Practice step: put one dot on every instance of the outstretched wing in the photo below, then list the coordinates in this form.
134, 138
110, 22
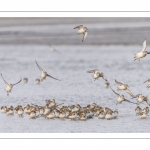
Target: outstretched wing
136, 96
148, 101
92, 71
80, 26
129, 92
129, 101
115, 92
84, 36
144, 45
39, 67
17, 82
118, 82
146, 81
103, 76
4, 79
52, 77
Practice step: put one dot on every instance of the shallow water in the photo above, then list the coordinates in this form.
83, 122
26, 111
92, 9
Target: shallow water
70, 65
109, 47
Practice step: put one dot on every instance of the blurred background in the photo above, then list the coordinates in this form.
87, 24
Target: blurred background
112, 31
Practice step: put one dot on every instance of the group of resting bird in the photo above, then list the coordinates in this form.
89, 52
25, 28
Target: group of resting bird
53, 110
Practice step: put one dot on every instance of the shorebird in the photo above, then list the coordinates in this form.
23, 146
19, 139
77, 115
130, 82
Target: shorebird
115, 114
124, 87
44, 73
108, 115
142, 115
9, 86
82, 30
76, 108
3, 109
20, 111
32, 114
82, 116
10, 111
62, 115
52, 103
97, 110
51, 115
41, 110
37, 81
25, 80
27, 109
101, 115
121, 98
106, 109
97, 74
138, 110
72, 115
67, 112
57, 112
91, 106
148, 86
143, 53
146, 110
141, 98
46, 110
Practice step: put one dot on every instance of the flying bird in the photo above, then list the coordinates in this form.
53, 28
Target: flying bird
121, 98
9, 86
148, 86
44, 73
97, 74
82, 30
143, 53
124, 87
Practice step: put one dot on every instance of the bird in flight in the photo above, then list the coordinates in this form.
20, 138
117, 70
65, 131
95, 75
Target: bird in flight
44, 73
97, 74
143, 53
82, 30
9, 86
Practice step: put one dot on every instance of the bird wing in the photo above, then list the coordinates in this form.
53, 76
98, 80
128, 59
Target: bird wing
146, 81
39, 67
144, 45
52, 77
84, 36
118, 82
92, 71
114, 92
103, 76
148, 101
4, 79
129, 101
17, 82
136, 96
129, 92
80, 26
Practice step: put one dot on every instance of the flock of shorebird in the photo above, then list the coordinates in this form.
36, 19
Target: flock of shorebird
54, 110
